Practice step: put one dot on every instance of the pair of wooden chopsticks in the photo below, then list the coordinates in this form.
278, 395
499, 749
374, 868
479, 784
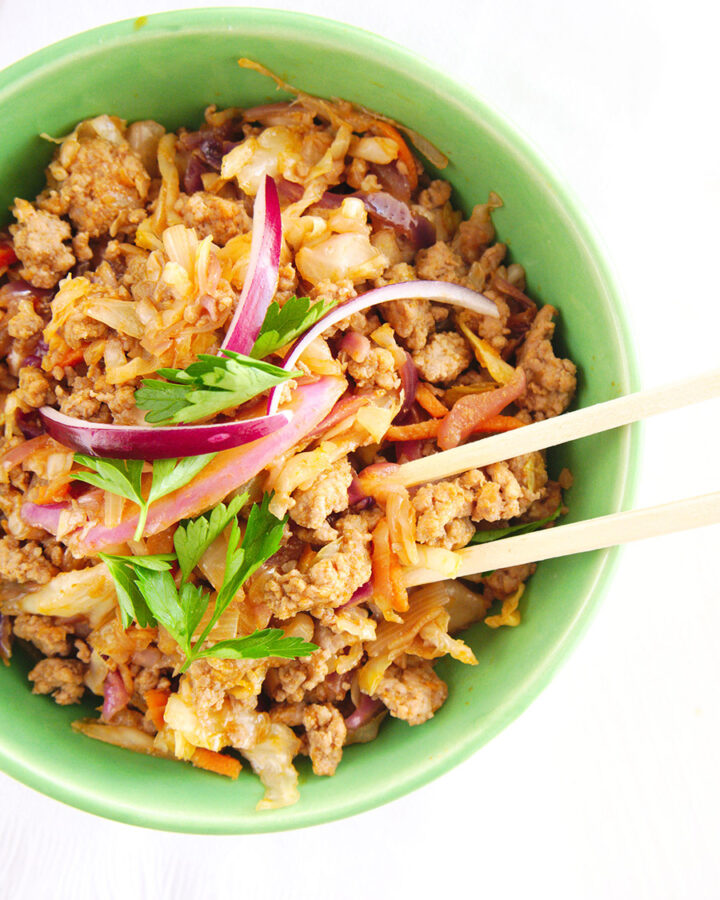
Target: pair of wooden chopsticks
594, 534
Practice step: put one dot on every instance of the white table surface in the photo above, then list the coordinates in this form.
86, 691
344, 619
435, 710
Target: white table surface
609, 785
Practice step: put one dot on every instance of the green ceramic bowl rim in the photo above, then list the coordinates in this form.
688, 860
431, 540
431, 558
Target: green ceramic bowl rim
423, 771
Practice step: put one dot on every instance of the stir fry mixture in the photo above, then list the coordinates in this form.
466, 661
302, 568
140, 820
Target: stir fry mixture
218, 346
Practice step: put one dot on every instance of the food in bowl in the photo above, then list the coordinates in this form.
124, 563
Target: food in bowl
218, 346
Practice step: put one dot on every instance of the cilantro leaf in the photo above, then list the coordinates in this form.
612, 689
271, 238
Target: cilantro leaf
206, 387
484, 537
260, 644
194, 601
161, 596
193, 536
283, 324
171, 474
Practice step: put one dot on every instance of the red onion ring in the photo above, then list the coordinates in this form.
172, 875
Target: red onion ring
262, 274
149, 442
442, 291
43, 515
310, 403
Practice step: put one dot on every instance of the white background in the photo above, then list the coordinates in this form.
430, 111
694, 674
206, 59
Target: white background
609, 785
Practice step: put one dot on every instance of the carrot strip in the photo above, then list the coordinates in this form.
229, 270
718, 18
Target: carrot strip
218, 763
55, 490
404, 154
497, 424
414, 432
156, 702
430, 402
389, 593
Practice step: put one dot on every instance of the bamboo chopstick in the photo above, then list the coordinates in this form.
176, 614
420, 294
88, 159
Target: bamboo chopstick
567, 427
579, 537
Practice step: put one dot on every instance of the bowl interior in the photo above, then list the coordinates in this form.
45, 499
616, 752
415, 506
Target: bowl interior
169, 69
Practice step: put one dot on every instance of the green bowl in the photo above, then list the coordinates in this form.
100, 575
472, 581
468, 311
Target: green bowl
169, 67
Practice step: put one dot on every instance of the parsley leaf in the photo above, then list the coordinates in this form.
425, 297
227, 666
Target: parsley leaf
484, 537
263, 535
118, 476
193, 536
283, 324
130, 598
124, 477
147, 591
259, 644
206, 387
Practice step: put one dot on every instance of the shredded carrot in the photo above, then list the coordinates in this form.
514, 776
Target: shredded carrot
54, 491
404, 154
389, 592
70, 358
417, 431
430, 402
156, 702
497, 424
216, 762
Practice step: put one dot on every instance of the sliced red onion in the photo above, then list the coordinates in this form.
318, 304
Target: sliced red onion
468, 412
346, 406
310, 403
443, 291
382, 206
262, 274
363, 593
368, 708
409, 380
149, 442
357, 497
115, 694
408, 450
356, 345
392, 180
43, 515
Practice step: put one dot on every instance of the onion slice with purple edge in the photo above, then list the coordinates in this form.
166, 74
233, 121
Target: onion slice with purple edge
442, 291
262, 274
43, 515
149, 442
368, 707
228, 471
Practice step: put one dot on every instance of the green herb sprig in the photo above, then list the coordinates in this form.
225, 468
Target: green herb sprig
207, 387
484, 537
282, 324
124, 478
148, 593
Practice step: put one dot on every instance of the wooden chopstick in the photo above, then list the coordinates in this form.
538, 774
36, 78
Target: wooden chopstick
567, 427
579, 537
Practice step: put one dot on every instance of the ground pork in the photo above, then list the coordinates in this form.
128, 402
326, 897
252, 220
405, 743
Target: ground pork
330, 581
440, 263
445, 356
63, 678
475, 235
38, 239
291, 681
24, 563
326, 732
290, 714
502, 583
48, 635
551, 382
413, 693
327, 494
437, 193
33, 388
412, 320
499, 491
25, 323
375, 368
211, 215
103, 189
